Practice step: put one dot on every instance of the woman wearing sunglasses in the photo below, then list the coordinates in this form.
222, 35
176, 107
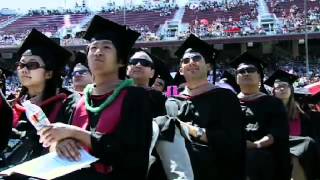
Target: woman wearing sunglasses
265, 121
303, 148
112, 119
39, 70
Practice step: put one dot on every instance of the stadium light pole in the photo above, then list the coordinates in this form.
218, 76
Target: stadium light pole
306, 37
124, 12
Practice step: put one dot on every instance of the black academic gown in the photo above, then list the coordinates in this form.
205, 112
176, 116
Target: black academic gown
126, 149
267, 115
6, 122
219, 112
157, 102
55, 109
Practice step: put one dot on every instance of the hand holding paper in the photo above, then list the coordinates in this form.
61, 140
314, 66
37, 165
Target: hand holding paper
51, 166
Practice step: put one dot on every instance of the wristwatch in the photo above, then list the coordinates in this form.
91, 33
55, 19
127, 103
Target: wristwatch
200, 133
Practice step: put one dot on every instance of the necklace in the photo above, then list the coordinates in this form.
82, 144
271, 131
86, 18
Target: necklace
88, 91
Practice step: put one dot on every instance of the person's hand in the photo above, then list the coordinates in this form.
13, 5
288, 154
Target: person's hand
55, 132
191, 129
69, 149
251, 145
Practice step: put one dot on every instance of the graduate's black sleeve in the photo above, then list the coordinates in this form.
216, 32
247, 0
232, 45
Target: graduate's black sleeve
226, 136
157, 103
278, 128
308, 127
277, 118
6, 121
127, 150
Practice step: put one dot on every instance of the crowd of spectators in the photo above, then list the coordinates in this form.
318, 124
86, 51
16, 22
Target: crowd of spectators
291, 20
48, 12
165, 9
292, 15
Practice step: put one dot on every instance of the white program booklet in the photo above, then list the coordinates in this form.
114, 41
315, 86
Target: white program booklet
51, 166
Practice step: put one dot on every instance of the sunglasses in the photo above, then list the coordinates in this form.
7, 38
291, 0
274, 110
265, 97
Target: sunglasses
29, 65
195, 58
80, 72
143, 62
247, 70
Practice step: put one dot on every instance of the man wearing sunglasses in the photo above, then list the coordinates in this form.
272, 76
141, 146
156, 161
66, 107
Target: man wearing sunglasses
211, 114
266, 125
141, 69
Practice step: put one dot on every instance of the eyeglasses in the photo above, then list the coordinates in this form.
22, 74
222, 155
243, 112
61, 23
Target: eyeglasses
195, 58
29, 65
80, 72
143, 62
247, 70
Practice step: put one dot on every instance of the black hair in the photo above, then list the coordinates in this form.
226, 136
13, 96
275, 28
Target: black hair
121, 70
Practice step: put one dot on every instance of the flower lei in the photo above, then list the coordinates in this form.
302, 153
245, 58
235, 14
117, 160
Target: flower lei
88, 91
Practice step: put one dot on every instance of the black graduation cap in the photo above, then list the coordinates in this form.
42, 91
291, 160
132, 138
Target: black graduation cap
315, 99
54, 56
303, 96
122, 37
281, 76
231, 80
79, 57
161, 70
248, 59
197, 45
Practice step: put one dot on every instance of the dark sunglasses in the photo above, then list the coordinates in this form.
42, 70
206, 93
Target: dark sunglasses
29, 65
247, 70
80, 72
195, 58
143, 62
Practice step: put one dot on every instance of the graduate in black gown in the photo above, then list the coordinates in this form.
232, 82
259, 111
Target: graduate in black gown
217, 149
40, 67
303, 148
143, 68
266, 124
112, 120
